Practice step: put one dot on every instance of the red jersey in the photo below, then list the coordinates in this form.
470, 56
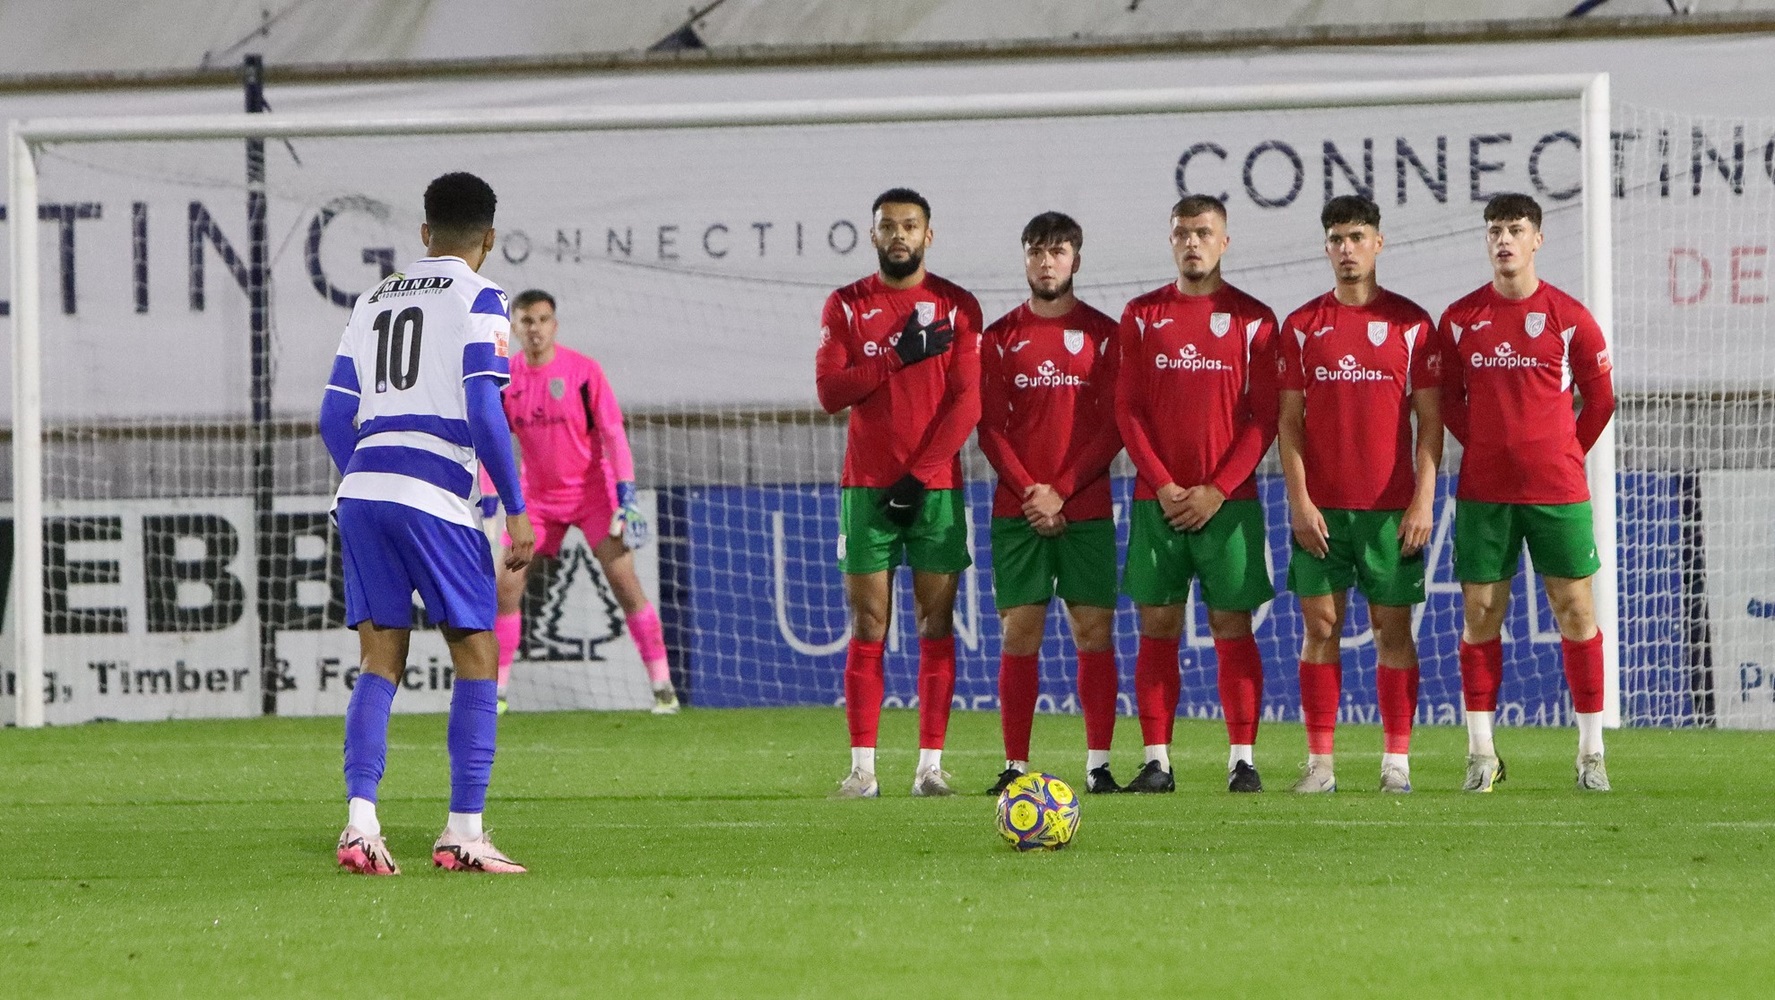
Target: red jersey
1508, 370
1196, 395
1047, 402
903, 419
1358, 366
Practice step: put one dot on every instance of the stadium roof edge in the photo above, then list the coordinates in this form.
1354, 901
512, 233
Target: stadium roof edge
777, 56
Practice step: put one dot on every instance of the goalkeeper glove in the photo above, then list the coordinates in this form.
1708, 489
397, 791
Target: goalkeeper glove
901, 503
918, 341
629, 522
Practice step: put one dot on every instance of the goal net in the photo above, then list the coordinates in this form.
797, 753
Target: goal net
188, 567
1695, 197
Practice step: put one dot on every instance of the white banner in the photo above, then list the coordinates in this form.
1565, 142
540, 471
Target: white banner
150, 614
693, 264
1740, 537
148, 611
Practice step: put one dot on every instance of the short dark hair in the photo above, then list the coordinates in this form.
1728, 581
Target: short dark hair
1350, 210
901, 196
1510, 206
459, 204
1053, 228
531, 296
1193, 205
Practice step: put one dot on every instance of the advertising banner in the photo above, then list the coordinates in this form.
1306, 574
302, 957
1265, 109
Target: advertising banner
150, 614
149, 610
693, 262
770, 600
1740, 533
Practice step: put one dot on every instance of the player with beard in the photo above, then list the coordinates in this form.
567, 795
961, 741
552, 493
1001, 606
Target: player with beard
1196, 400
1048, 426
901, 349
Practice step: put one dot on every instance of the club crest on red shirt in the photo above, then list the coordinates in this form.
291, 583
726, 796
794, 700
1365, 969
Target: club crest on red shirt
1220, 323
1377, 332
927, 313
1074, 340
1534, 323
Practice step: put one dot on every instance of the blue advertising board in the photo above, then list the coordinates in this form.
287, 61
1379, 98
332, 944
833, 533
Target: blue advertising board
767, 601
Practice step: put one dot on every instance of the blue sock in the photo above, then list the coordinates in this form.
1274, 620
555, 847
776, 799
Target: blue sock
474, 724
366, 735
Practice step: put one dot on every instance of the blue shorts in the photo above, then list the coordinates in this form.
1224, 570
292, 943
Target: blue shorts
390, 550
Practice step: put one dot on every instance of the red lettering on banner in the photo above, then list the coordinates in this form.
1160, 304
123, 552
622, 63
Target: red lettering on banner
1677, 274
1744, 272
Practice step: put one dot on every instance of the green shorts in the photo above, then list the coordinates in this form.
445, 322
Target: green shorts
1079, 564
937, 542
1227, 555
1489, 536
1364, 553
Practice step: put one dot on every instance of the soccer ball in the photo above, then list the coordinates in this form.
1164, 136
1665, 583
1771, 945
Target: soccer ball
1038, 812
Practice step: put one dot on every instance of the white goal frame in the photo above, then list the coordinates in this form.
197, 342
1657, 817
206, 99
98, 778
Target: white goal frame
1592, 90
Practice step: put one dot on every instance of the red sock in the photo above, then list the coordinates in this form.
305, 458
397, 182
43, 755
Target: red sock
1019, 679
1397, 689
1583, 672
936, 686
1482, 673
1156, 686
1097, 696
1241, 687
1319, 690
862, 691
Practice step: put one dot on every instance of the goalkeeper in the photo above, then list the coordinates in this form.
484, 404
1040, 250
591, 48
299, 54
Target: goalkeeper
901, 348
577, 471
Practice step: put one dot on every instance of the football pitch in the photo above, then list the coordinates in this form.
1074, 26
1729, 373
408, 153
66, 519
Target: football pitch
699, 856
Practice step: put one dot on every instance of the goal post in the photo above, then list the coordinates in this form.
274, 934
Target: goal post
1588, 92
1599, 297
27, 432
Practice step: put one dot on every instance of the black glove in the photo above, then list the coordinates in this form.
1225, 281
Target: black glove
901, 503
919, 341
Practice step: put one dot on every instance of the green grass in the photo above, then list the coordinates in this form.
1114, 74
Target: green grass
698, 856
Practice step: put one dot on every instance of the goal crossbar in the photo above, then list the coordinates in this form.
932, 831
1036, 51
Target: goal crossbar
1592, 90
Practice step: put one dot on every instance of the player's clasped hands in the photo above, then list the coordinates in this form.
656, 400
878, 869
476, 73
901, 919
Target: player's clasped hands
1041, 507
523, 547
1189, 509
1309, 527
919, 341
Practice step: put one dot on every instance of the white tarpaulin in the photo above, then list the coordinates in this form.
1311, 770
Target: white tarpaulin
693, 264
